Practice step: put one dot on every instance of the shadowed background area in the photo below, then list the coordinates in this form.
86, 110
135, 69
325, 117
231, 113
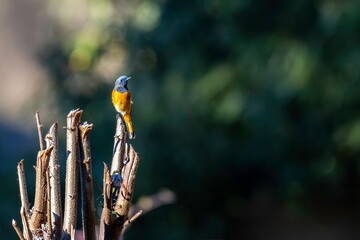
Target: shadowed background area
248, 111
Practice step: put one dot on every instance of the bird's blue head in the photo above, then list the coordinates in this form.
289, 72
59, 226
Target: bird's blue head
121, 83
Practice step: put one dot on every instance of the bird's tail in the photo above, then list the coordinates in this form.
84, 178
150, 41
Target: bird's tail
129, 126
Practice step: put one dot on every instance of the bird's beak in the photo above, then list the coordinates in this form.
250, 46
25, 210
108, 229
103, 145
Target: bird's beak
127, 78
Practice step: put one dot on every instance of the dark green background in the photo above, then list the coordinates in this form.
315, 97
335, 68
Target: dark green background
249, 111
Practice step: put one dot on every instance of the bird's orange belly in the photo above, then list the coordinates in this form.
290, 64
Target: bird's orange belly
121, 101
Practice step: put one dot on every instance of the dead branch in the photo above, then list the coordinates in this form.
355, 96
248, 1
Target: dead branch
54, 182
107, 219
17, 230
119, 145
38, 216
71, 179
118, 186
149, 203
45, 221
49, 228
22, 186
39, 128
132, 219
123, 202
25, 223
87, 194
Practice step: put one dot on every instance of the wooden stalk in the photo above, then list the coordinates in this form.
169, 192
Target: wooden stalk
25, 223
73, 233
132, 219
115, 212
22, 186
123, 202
87, 194
38, 216
119, 145
17, 230
71, 180
48, 207
54, 182
39, 128
106, 222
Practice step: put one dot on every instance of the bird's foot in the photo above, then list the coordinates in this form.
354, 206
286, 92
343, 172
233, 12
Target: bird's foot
132, 135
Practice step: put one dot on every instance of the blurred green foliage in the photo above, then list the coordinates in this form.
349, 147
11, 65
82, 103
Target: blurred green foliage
237, 105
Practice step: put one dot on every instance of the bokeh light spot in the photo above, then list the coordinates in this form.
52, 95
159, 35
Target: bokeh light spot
112, 62
230, 107
80, 59
147, 16
349, 136
85, 46
101, 11
213, 82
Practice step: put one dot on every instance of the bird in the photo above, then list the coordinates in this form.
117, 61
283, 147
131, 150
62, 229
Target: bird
121, 100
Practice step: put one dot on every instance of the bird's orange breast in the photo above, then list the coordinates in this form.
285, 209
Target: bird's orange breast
121, 101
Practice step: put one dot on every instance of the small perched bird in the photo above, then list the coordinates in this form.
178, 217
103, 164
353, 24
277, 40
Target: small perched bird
122, 102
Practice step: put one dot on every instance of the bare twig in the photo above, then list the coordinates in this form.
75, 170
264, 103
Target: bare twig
119, 143
54, 183
22, 186
25, 223
38, 216
87, 194
39, 128
71, 182
17, 230
132, 219
149, 203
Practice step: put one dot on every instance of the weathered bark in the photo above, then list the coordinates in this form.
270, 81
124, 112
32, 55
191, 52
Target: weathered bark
107, 219
54, 182
25, 223
119, 146
38, 216
86, 181
123, 202
71, 181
